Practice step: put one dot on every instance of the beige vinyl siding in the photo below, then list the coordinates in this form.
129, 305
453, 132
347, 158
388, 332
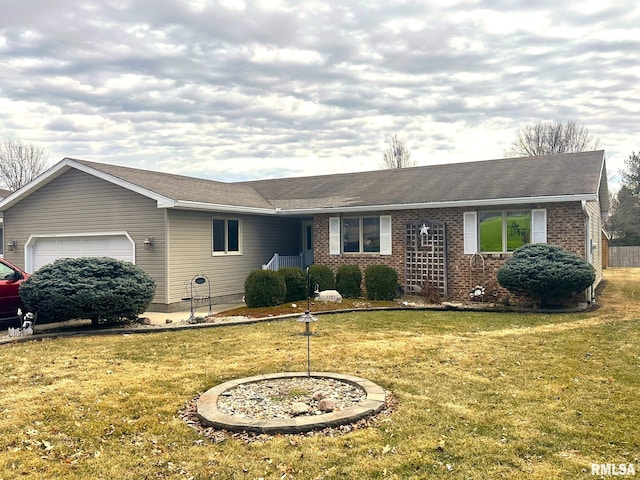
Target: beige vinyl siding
595, 234
190, 250
76, 202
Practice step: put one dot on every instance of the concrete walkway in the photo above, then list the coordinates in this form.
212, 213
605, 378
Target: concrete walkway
169, 321
160, 318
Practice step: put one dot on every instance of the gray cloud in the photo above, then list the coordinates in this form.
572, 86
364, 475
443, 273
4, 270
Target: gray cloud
313, 87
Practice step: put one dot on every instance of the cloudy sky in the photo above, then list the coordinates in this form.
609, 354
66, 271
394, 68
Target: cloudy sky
235, 90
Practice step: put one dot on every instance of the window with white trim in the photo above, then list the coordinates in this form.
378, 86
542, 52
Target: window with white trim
226, 236
503, 231
366, 234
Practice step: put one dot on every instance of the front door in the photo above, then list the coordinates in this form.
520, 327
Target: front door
307, 242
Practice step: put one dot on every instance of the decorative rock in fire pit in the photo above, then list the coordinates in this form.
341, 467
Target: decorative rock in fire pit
299, 408
250, 412
317, 396
326, 405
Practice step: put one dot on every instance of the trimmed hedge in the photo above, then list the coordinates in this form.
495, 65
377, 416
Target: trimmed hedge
264, 288
348, 280
545, 273
101, 289
381, 282
296, 282
322, 276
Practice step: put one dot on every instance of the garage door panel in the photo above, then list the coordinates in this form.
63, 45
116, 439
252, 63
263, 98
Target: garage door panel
95, 245
43, 260
46, 250
68, 246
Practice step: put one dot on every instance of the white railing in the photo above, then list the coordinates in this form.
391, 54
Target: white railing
283, 261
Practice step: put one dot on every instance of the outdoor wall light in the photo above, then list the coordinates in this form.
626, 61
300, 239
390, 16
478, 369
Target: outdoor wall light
148, 243
12, 245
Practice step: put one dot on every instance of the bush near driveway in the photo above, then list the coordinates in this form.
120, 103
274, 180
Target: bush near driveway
101, 289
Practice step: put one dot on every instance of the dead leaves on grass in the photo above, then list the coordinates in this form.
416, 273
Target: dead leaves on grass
189, 415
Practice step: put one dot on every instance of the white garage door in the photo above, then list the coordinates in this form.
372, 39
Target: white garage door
47, 249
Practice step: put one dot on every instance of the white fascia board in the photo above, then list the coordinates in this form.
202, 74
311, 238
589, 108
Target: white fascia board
189, 205
461, 203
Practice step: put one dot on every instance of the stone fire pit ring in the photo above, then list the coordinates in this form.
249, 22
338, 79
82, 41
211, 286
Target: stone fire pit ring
211, 416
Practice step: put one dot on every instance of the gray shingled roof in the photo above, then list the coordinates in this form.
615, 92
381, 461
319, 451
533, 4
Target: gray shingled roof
564, 175
531, 177
182, 188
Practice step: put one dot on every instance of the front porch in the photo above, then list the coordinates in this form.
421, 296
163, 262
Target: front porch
284, 261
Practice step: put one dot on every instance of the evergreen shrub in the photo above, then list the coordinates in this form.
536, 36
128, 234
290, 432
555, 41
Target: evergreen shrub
102, 289
322, 276
348, 280
545, 274
296, 282
381, 282
264, 288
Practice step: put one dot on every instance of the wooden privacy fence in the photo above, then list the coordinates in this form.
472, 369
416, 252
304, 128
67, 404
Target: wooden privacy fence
624, 256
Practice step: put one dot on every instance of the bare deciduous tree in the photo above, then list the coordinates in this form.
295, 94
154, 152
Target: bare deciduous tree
20, 163
397, 154
546, 138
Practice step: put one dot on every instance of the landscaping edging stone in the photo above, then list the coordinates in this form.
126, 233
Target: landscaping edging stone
211, 416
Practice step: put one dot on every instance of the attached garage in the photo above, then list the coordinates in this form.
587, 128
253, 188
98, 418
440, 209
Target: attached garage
44, 249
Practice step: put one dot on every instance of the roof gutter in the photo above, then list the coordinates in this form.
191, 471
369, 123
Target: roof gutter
219, 207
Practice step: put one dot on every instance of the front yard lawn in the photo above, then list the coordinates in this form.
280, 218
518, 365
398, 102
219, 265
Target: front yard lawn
479, 395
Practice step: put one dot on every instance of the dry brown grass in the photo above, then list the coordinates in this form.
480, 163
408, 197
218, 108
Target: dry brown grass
481, 395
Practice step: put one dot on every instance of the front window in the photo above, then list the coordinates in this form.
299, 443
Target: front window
361, 235
1, 240
226, 236
502, 232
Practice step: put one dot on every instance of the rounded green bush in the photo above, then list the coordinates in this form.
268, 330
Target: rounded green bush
381, 282
348, 280
101, 289
296, 282
545, 273
264, 288
322, 276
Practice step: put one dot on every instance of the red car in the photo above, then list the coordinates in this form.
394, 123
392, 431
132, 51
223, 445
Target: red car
10, 279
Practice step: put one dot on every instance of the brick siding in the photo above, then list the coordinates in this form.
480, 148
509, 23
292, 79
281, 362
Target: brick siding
565, 228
